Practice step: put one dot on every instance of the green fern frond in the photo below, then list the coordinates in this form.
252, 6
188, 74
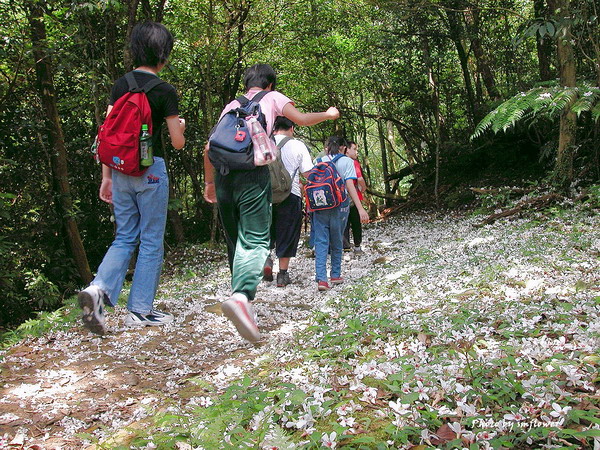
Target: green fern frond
485, 123
562, 100
277, 438
596, 112
588, 97
538, 103
539, 99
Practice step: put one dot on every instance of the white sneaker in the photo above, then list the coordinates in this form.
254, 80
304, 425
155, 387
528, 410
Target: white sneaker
91, 302
154, 318
241, 313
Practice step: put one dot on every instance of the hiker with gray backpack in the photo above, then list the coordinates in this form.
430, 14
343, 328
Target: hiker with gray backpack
287, 198
242, 189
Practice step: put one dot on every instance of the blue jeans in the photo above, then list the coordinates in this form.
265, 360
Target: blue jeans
328, 228
140, 208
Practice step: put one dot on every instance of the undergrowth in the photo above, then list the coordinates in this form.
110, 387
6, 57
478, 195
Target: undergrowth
486, 342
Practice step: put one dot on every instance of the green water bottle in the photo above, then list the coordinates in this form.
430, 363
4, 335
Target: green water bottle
146, 156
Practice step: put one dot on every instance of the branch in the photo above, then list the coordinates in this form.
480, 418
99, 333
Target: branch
537, 203
385, 196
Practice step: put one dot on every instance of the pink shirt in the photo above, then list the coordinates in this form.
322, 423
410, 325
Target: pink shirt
271, 105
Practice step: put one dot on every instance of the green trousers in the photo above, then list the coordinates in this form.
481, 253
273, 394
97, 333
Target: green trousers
244, 201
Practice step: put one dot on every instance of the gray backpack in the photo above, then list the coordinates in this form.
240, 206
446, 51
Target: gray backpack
281, 182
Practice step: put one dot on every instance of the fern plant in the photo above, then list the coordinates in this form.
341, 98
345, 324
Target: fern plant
541, 102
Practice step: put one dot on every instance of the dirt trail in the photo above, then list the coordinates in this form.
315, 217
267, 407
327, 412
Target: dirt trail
63, 384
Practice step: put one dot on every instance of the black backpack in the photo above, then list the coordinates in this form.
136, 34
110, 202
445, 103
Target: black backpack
230, 142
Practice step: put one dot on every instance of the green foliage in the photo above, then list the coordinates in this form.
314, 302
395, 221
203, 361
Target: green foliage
61, 318
594, 196
543, 102
366, 58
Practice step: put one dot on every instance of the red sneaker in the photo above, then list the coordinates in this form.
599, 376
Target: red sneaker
336, 280
323, 286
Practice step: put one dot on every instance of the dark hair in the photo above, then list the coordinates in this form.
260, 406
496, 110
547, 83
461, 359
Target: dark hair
259, 75
282, 123
151, 44
332, 145
348, 145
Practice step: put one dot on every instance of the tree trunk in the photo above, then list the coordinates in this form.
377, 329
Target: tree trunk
111, 46
366, 165
132, 6
175, 219
435, 101
172, 213
543, 46
58, 152
384, 162
390, 140
563, 169
160, 11
472, 20
146, 12
456, 35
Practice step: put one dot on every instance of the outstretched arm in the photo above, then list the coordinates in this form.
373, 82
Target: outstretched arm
308, 119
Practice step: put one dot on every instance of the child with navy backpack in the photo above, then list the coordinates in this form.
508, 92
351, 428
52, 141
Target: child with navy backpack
329, 224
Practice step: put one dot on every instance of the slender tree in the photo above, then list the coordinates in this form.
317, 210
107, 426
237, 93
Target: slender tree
567, 75
56, 142
456, 34
472, 18
543, 43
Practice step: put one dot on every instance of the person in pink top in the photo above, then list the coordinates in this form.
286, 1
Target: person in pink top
244, 201
354, 223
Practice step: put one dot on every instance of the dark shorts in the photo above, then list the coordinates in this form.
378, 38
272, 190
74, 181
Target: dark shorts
286, 226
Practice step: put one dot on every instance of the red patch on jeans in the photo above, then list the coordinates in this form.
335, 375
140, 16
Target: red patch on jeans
153, 179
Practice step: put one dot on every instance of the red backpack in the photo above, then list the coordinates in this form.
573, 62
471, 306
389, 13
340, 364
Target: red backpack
119, 135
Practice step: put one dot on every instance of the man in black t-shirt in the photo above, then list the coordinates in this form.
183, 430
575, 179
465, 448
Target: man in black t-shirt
140, 203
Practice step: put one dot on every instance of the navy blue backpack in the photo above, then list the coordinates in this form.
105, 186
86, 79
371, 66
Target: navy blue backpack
325, 188
230, 143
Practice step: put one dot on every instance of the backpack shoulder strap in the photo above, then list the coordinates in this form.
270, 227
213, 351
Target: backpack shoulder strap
134, 87
258, 97
243, 100
152, 84
284, 141
336, 157
131, 83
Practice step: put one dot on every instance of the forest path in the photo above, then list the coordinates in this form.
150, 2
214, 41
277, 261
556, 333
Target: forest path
527, 286
67, 383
